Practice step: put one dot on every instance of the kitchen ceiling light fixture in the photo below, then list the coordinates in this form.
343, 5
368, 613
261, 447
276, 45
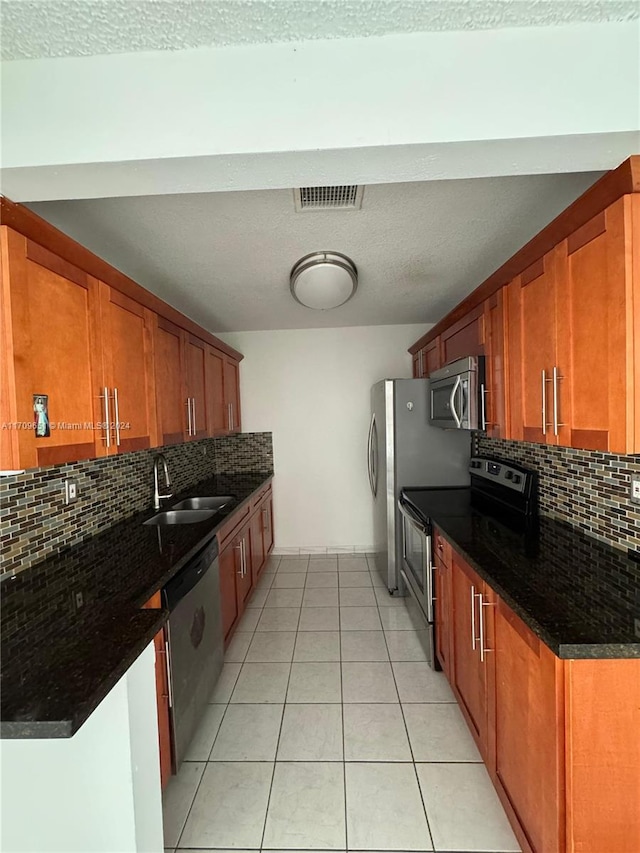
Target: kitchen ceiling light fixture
323, 280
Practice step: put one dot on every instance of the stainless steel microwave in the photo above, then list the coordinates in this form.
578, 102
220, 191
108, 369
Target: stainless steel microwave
457, 395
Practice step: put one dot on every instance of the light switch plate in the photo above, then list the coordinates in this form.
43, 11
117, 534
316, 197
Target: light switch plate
70, 491
635, 490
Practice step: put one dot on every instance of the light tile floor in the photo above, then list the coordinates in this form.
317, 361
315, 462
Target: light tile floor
328, 731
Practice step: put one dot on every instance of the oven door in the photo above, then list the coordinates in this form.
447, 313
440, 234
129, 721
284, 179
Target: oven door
416, 560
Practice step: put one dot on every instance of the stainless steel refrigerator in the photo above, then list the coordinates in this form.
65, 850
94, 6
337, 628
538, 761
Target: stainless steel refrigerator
404, 451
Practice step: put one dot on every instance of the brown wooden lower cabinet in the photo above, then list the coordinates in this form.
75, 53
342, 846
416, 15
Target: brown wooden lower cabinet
244, 551
559, 737
162, 697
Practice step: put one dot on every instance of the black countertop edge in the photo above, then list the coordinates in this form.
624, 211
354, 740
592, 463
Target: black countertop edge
151, 621
565, 651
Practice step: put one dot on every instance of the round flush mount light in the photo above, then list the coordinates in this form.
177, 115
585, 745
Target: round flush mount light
323, 280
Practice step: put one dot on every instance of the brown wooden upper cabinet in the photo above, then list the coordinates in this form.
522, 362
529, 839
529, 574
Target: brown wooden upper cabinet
574, 372
128, 394
495, 404
427, 359
232, 393
195, 387
170, 389
81, 352
464, 338
52, 360
91, 365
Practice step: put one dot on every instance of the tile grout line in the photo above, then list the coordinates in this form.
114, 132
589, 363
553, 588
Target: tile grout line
413, 761
284, 709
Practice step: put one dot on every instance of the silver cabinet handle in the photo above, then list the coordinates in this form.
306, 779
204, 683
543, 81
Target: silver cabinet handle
265, 519
544, 402
169, 678
229, 416
483, 604
189, 430
193, 408
421, 363
452, 402
241, 570
473, 617
483, 394
107, 423
116, 413
556, 379
244, 556
233, 420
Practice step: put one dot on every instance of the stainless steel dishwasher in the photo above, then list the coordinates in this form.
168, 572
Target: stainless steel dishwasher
195, 646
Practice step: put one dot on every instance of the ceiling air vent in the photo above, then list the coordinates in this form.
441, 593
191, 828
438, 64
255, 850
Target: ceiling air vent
347, 197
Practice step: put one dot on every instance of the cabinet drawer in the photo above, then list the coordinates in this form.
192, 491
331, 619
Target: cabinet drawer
232, 523
441, 548
261, 495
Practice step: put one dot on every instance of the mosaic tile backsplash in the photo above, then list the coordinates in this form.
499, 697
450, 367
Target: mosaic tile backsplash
585, 488
35, 522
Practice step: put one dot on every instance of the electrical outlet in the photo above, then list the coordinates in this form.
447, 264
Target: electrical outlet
79, 600
70, 491
635, 490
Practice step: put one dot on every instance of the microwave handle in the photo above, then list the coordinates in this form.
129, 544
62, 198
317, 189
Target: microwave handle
452, 402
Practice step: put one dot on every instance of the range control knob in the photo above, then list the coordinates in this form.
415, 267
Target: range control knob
509, 475
517, 478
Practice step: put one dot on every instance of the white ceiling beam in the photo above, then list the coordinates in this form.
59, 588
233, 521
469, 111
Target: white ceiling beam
395, 108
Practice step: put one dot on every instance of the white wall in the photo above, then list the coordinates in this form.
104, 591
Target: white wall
513, 101
311, 389
96, 792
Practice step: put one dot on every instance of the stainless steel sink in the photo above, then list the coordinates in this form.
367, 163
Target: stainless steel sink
184, 516
203, 503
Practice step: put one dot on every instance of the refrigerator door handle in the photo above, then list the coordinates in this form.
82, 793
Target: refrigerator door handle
374, 455
370, 455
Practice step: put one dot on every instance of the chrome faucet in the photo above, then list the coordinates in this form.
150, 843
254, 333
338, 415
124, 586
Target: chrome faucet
157, 497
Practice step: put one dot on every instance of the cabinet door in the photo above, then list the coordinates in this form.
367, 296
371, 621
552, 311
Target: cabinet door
217, 413
50, 312
267, 524
257, 544
170, 390
598, 385
196, 399
162, 697
129, 371
431, 359
416, 366
469, 670
532, 350
527, 719
443, 615
232, 394
230, 570
244, 579
495, 380
464, 338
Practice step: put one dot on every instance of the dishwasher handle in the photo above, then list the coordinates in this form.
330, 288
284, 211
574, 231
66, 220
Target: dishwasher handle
191, 574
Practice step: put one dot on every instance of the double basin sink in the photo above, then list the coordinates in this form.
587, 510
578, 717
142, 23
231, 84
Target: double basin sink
191, 510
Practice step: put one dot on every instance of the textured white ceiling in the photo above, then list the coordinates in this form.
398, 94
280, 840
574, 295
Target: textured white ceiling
224, 258
48, 28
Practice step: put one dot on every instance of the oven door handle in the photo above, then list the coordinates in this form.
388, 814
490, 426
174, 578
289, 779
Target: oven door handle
413, 519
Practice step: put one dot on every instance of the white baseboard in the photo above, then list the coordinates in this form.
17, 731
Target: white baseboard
320, 551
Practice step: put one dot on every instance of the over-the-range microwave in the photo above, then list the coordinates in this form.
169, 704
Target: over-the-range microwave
457, 395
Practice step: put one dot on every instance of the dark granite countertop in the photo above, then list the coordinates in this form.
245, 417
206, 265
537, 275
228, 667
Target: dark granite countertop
59, 660
579, 595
